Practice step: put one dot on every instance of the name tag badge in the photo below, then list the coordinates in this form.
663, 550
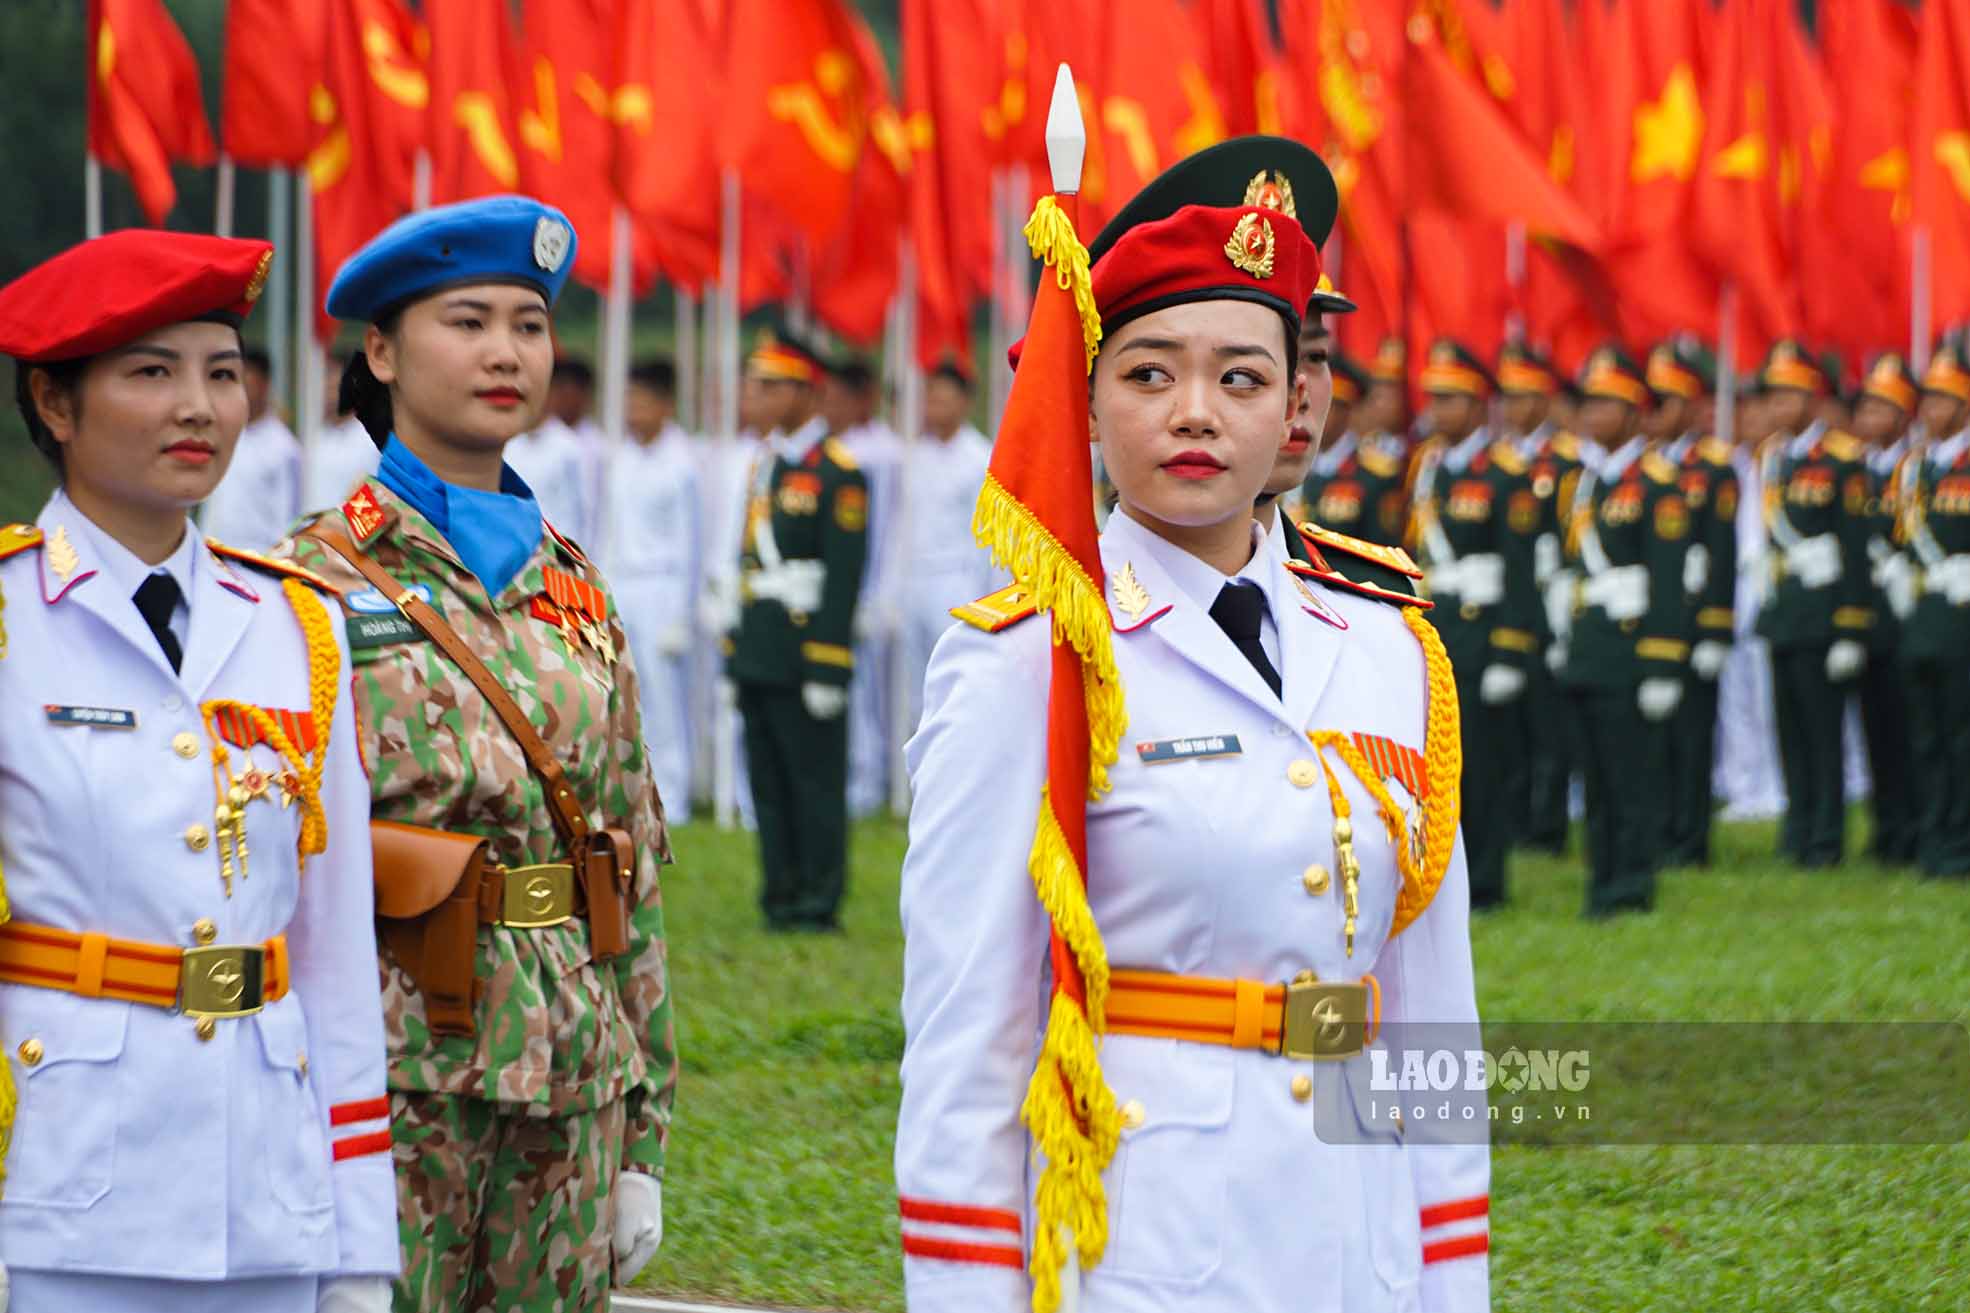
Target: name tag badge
367, 631
1159, 751
372, 602
92, 717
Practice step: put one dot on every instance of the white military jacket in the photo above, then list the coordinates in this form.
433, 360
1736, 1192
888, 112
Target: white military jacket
1221, 1197
139, 1149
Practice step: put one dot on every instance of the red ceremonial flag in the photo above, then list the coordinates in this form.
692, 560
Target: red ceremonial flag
1864, 302
273, 63
1940, 154
1035, 516
666, 128
856, 275
370, 114
954, 124
471, 127
144, 104
797, 109
566, 111
1767, 132
1156, 103
1254, 87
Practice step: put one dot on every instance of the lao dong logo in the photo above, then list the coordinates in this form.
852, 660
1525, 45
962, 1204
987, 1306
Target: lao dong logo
1514, 1071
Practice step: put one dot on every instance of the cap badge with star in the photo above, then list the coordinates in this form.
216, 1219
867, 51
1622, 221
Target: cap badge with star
1271, 190
1250, 246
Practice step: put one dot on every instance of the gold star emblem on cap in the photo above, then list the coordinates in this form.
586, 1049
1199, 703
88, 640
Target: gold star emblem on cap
1250, 246
1269, 190
1889, 366
258, 282
1443, 354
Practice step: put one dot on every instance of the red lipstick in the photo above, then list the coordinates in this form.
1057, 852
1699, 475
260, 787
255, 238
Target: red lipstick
1194, 464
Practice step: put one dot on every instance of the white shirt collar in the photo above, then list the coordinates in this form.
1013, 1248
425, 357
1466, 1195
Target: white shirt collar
1196, 579
793, 447
1330, 459
1460, 456
124, 571
1616, 465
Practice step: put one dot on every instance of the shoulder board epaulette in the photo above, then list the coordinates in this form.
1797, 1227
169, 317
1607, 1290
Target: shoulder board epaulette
17, 538
1366, 588
273, 565
1378, 462
1505, 454
1389, 558
568, 544
1842, 446
839, 453
996, 611
1566, 445
1658, 467
1715, 450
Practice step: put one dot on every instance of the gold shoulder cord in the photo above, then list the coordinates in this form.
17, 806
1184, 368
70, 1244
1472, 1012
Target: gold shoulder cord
1443, 765
303, 780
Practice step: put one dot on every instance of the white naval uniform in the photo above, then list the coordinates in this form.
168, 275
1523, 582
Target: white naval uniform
885, 462
339, 458
945, 566
1223, 1199
151, 1170
255, 504
652, 555
554, 463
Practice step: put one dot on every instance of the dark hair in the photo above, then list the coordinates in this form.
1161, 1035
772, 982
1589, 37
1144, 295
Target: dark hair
257, 358
657, 373
573, 369
65, 374
950, 373
855, 375
364, 395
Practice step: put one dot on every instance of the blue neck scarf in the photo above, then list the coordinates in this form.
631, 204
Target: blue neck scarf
493, 532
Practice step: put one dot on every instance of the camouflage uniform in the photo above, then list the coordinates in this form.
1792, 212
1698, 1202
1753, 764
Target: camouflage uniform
508, 1142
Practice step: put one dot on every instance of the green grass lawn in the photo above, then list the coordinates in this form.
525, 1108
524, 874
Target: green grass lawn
780, 1191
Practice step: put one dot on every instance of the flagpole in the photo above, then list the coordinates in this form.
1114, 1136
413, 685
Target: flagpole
279, 291
725, 784
1515, 321
909, 419
222, 221
92, 196
420, 181
1919, 309
685, 309
1727, 364
307, 352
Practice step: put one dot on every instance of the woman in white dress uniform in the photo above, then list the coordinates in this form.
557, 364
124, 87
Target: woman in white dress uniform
188, 979
1273, 872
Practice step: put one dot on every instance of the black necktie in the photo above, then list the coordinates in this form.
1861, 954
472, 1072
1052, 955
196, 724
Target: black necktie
156, 598
1239, 610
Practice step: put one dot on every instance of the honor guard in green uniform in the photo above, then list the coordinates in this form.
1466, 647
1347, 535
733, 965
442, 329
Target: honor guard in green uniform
1883, 412
1527, 387
1818, 606
1678, 376
800, 571
1356, 485
1935, 531
1475, 521
1628, 647
1313, 397
1383, 417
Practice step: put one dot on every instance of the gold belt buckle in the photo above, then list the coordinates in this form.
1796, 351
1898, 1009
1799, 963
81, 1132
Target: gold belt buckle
538, 896
222, 980
1324, 1020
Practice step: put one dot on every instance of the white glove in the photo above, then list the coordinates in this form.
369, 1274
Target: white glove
1500, 684
1696, 568
1545, 557
1707, 658
1556, 657
1895, 575
675, 640
1845, 659
823, 701
717, 614
6, 1288
1658, 698
639, 1222
1951, 577
1815, 561
345, 1295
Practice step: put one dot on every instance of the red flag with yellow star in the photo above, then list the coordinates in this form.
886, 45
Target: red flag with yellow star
1940, 153
273, 63
666, 159
145, 107
1861, 303
954, 127
472, 129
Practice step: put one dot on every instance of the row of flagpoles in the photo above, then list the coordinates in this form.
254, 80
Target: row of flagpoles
1563, 171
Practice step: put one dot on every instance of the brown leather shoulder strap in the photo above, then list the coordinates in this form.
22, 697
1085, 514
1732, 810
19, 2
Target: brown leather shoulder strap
569, 819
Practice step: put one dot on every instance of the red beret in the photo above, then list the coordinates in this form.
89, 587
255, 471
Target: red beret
1208, 253
118, 287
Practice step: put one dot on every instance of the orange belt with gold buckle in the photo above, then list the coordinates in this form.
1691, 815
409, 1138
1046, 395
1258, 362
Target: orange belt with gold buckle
1304, 1018
216, 980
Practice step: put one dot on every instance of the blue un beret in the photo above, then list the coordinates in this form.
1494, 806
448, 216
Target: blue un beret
497, 239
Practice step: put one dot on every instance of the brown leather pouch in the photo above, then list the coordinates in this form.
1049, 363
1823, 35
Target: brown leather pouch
427, 908
608, 866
